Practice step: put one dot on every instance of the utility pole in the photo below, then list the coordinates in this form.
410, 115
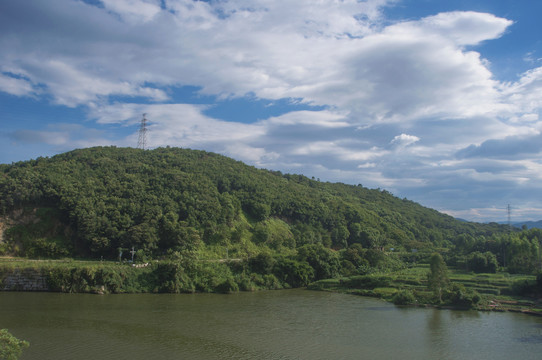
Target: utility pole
142, 140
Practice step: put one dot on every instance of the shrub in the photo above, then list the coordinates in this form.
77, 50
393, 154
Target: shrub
11, 347
404, 297
228, 286
523, 287
167, 275
262, 263
323, 261
245, 283
368, 281
110, 278
458, 295
347, 268
271, 282
294, 273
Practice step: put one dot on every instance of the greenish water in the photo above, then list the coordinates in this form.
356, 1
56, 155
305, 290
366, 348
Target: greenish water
289, 324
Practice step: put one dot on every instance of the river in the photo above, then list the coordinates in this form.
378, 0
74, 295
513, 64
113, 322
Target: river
286, 324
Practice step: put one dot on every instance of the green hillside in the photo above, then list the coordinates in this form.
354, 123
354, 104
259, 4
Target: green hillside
173, 199
172, 203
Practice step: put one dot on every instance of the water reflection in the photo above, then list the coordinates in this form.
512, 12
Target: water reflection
532, 339
380, 308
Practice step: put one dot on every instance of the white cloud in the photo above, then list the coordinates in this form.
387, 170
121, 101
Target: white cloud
404, 140
467, 27
61, 137
377, 83
15, 86
326, 119
134, 11
334, 54
72, 87
525, 95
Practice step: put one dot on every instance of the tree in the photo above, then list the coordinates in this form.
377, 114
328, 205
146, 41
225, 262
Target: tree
11, 347
437, 278
324, 261
482, 262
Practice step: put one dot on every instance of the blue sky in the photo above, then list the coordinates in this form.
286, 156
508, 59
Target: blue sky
435, 101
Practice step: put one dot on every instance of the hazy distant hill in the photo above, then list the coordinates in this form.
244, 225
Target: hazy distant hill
529, 224
94, 201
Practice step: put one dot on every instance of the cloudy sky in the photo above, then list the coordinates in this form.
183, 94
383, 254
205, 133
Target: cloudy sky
436, 101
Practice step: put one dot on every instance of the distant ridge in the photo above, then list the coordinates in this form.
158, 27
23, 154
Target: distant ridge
529, 224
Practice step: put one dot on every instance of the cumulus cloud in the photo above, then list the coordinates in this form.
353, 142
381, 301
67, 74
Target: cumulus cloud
467, 27
410, 105
266, 48
404, 140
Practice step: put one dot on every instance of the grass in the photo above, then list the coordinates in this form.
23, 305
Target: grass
18, 263
498, 291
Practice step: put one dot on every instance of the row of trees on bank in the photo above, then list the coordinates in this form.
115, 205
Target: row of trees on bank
518, 252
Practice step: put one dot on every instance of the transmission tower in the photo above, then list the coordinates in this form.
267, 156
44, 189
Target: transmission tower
142, 140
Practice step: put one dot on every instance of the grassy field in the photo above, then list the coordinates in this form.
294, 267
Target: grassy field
498, 292
19, 263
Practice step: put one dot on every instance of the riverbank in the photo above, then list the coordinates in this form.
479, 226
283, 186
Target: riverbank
498, 292
102, 277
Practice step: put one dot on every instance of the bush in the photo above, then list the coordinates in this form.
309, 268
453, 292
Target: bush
110, 279
368, 281
523, 287
347, 268
458, 295
262, 263
73, 280
11, 347
228, 286
323, 261
404, 297
294, 273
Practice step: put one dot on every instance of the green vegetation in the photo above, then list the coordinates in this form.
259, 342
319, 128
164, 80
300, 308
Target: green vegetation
204, 222
437, 277
413, 286
11, 347
91, 202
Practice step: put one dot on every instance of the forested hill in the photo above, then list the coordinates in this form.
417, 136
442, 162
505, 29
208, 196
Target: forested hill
91, 202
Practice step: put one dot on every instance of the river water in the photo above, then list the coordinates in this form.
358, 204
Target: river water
286, 324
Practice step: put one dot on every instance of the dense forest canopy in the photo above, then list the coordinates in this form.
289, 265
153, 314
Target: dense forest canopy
94, 202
